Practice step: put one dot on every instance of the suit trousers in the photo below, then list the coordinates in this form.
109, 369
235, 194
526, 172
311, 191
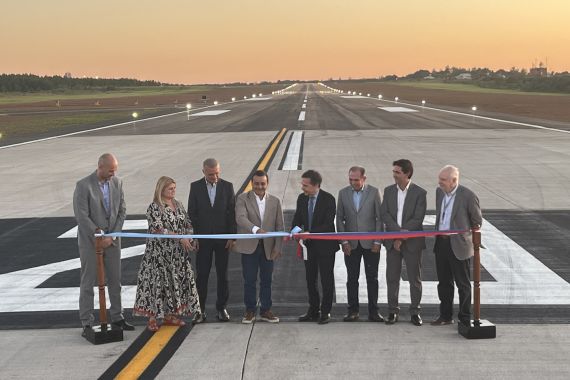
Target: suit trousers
413, 260
252, 264
208, 248
450, 268
112, 262
320, 262
352, 262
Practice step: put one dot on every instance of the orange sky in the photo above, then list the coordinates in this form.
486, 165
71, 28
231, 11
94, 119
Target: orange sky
199, 41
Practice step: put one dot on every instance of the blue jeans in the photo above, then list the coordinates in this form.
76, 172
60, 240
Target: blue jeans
250, 264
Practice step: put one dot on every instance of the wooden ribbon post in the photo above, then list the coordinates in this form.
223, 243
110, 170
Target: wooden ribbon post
99, 251
102, 334
478, 328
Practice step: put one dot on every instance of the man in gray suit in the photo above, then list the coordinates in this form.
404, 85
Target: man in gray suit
457, 208
99, 205
258, 212
404, 209
358, 210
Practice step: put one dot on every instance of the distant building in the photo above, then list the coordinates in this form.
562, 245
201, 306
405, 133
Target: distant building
67, 75
538, 72
464, 76
429, 77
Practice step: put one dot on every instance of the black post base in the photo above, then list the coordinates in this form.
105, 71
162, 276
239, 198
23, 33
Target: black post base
103, 334
481, 329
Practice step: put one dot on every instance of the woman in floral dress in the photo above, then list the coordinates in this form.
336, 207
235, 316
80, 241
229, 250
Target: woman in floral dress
166, 287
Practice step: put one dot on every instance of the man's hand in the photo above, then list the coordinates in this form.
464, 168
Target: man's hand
230, 244
346, 248
261, 231
375, 248
107, 242
397, 245
275, 255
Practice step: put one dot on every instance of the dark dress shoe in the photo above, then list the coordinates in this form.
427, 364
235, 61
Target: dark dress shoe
223, 315
124, 325
439, 321
324, 319
392, 318
375, 317
85, 329
309, 316
417, 320
199, 318
351, 317
466, 322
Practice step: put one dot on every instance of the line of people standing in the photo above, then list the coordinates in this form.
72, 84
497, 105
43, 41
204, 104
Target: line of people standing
168, 290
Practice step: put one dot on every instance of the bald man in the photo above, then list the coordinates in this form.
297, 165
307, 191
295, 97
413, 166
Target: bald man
99, 204
457, 208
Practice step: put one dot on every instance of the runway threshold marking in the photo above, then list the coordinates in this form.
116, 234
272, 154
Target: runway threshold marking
265, 159
293, 152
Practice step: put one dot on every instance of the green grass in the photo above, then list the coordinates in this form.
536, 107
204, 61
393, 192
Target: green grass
434, 85
32, 97
29, 125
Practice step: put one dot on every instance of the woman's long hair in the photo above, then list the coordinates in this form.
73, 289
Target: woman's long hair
163, 182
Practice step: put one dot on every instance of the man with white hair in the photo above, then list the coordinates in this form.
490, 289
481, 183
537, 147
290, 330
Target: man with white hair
457, 208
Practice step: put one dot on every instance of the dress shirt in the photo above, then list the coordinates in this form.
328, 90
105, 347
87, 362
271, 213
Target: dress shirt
211, 191
104, 186
261, 207
401, 200
446, 209
356, 197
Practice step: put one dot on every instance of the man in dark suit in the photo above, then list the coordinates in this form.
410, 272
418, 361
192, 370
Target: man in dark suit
358, 210
99, 205
404, 209
211, 207
457, 208
315, 213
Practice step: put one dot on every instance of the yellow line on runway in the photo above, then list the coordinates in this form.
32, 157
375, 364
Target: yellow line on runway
262, 165
148, 353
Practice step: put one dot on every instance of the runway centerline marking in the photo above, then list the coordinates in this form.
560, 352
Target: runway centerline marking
293, 152
302, 116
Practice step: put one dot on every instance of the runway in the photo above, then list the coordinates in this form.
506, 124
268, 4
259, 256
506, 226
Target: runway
520, 173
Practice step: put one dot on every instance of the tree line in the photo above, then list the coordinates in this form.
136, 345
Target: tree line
513, 79
35, 83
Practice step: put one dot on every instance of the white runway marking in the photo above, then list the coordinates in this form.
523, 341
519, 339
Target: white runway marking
210, 113
354, 97
302, 116
129, 225
397, 109
521, 279
255, 99
304, 106
292, 158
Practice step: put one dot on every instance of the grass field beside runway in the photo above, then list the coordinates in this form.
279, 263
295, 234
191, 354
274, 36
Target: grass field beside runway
466, 87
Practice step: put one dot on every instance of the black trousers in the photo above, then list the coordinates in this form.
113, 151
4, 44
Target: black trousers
352, 262
208, 249
449, 269
320, 262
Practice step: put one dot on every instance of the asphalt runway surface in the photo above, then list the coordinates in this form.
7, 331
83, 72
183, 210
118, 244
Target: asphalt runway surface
520, 173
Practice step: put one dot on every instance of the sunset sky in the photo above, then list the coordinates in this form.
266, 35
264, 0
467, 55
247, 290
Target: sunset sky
217, 41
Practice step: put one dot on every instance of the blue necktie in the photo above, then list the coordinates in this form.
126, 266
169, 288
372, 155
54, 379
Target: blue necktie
311, 209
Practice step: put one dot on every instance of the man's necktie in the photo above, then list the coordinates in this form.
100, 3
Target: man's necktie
311, 209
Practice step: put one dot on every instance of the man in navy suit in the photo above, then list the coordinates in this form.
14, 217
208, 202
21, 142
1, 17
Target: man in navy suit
211, 207
315, 213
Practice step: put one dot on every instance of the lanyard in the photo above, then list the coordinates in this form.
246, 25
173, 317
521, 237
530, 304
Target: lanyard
446, 206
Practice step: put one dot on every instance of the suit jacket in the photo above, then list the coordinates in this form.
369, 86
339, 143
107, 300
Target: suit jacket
247, 216
208, 219
366, 219
90, 213
412, 216
323, 220
465, 215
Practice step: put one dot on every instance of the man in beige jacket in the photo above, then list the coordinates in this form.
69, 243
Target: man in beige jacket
258, 212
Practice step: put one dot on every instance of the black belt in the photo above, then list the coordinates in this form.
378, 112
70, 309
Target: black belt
444, 237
